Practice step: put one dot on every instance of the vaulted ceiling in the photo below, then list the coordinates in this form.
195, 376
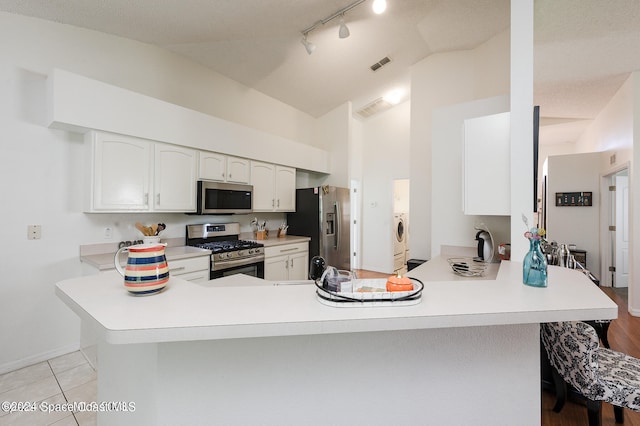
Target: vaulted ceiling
584, 49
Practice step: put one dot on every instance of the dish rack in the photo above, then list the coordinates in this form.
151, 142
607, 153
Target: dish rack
370, 298
467, 266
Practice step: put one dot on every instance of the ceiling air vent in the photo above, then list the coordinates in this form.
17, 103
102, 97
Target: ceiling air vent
382, 62
374, 107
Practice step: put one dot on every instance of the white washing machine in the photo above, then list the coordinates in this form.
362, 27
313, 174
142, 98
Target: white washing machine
399, 243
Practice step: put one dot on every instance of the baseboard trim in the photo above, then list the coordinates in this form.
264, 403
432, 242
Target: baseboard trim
34, 359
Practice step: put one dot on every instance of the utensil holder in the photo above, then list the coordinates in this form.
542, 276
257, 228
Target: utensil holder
261, 235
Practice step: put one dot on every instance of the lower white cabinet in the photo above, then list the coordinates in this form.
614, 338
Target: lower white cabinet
195, 269
286, 262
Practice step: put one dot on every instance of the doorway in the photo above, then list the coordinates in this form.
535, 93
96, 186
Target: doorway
616, 252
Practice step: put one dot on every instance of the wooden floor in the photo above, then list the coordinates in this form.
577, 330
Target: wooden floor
624, 336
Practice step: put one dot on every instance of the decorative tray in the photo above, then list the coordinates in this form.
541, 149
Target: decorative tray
370, 292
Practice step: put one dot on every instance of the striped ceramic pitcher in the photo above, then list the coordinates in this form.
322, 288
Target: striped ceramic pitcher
147, 271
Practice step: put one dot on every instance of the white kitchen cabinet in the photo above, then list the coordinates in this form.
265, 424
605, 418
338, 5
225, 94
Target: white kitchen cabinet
174, 178
195, 269
274, 187
487, 165
286, 262
119, 170
285, 189
238, 170
213, 166
223, 168
128, 174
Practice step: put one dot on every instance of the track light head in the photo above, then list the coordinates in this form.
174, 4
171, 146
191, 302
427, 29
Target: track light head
343, 32
310, 47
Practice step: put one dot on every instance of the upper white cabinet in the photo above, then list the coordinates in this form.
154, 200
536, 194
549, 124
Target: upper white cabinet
274, 187
119, 172
128, 174
213, 166
223, 168
238, 170
174, 178
487, 165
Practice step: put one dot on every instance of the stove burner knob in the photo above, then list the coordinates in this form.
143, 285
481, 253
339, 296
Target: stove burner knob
250, 251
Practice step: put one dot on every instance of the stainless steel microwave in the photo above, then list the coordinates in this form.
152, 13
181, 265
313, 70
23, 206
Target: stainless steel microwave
224, 198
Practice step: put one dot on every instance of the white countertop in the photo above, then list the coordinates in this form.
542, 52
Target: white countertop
104, 261
240, 306
274, 240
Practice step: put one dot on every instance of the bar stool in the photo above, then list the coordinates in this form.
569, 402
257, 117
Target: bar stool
599, 374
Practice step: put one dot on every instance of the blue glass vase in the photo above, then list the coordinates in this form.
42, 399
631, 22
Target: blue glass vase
534, 269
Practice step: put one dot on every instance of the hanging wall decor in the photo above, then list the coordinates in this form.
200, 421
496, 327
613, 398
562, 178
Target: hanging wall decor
574, 199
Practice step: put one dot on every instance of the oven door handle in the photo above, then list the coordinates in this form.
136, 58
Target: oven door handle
219, 266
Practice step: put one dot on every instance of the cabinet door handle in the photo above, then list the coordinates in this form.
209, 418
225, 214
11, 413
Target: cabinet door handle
158, 199
179, 268
273, 202
146, 198
291, 263
229, 176
278, 202
289, 249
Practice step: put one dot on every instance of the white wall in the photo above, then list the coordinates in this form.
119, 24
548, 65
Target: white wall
385, 139
439, 81
613, 127
616, 130
333, 135
575, 225
43, 45
41, 169
450, 226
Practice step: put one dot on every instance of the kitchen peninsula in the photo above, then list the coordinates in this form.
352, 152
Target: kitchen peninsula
240, 350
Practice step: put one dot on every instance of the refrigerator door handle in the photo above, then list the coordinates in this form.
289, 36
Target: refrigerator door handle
336, 211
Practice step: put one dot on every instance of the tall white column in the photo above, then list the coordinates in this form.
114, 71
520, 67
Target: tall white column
521, 123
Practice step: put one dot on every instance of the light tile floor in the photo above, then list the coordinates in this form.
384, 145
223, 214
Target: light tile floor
66, 379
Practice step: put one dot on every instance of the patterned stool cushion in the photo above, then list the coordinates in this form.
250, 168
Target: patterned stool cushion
599, 374
618, 379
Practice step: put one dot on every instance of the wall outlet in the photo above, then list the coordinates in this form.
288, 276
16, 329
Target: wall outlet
108, 233
34, 232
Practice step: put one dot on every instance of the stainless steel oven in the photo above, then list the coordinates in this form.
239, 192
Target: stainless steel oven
255, 269
229, 255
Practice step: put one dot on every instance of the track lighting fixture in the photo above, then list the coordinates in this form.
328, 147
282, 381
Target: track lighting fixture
310, 47
379, 6
343, 32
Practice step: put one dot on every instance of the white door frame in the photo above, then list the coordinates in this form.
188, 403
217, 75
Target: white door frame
356, 220
607, 217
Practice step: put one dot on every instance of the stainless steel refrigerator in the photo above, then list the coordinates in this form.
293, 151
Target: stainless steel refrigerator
322, 213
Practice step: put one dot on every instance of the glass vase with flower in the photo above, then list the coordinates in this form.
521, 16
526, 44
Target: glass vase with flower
534, 268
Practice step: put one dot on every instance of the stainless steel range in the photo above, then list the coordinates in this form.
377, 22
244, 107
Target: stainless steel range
230, 255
